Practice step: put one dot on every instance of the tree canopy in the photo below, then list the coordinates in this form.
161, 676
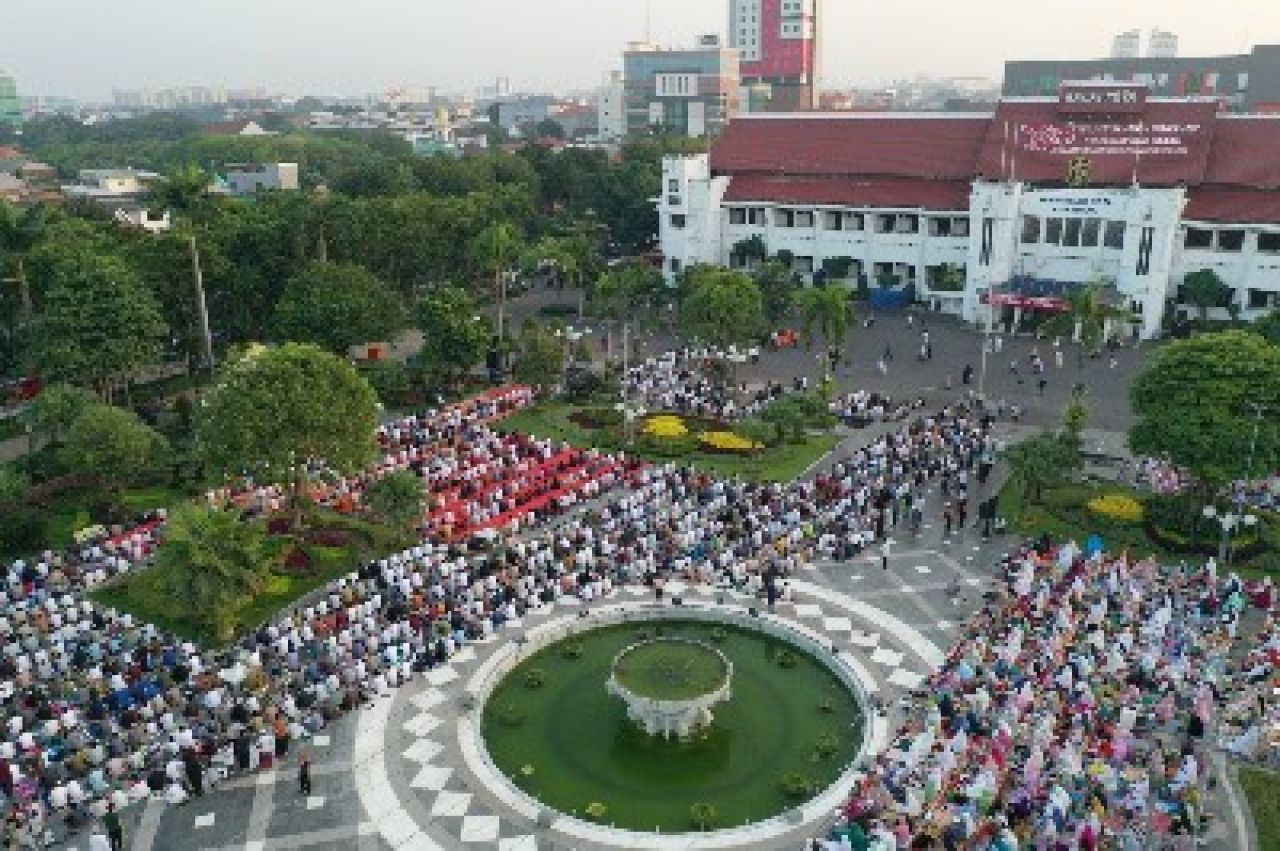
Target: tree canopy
211, 561
1195, 403
397, 498
722, 307
337, 306
274, 410
97, 325
114, 446
539, 357
1205, 290
455, 335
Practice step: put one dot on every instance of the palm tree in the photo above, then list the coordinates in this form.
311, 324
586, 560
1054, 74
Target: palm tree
1086, 318
496, 249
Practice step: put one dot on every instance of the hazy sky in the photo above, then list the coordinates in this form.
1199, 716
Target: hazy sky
84, 48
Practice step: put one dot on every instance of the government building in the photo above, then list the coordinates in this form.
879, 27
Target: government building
996, 216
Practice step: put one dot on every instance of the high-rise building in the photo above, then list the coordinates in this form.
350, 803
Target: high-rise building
1127, 45
10, 106
692, 91
780, 45
1162, 45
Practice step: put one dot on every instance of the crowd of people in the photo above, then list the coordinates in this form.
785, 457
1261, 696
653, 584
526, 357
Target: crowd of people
100, 711
1076, 712
685, 382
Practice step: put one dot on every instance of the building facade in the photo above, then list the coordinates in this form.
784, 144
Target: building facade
249, 179
693, 92
10, 106
779, 43
1127, 45
1248, 82
611, 110
997, 214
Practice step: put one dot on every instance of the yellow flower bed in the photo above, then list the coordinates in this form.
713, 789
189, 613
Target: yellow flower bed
666, 426
727, 441
1118, 507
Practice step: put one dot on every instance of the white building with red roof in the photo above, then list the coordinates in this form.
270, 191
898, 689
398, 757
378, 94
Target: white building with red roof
1039, 197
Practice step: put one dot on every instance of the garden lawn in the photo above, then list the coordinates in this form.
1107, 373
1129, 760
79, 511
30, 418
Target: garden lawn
69, 512
781, 463
1262, 788
143, 595
1063, 513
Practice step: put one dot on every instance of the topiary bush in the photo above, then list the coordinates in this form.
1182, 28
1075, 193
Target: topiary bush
795, 785
827, 746
704, 815
535, 678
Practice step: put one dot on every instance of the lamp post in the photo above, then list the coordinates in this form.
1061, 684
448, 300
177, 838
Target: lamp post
1230, 522
1258, 410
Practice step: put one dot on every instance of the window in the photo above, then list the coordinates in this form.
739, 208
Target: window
673, 185
939, 227
1269, 243
1114, 235
959, 227
1230, 240
804, 219
737, 215
677, 221
884, 223
784, 218
831, 220
1263, 299
907, 224
1089, 233
1198, 238
803, 265
1052, 231
1071, 234
854, 221
1030, 230
673, 200
675, 265
756, 216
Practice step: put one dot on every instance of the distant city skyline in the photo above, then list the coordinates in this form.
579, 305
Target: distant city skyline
333, 47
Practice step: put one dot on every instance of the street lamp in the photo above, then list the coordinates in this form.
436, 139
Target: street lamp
1231, 523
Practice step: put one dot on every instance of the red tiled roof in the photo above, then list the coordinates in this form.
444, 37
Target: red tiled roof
925, 194
1246, 152
1032, 140
927, 147
1233, 204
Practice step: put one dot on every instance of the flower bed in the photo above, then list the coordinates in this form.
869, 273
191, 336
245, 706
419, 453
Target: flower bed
727, 443
1118, 507
665, 426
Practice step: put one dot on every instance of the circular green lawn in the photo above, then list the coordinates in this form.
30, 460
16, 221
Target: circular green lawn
789, 731
664, 669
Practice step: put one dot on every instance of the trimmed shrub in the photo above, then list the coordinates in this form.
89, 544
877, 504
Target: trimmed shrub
704, 815
535, 678
796, 785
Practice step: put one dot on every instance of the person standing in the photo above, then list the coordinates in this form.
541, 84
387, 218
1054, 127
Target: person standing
886, 549
962, 510
946, 519
304, 773
115, 829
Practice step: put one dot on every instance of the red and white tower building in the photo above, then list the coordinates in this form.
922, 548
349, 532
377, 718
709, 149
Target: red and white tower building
779, 46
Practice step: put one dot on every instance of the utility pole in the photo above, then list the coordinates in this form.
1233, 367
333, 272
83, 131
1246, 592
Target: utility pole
206, 338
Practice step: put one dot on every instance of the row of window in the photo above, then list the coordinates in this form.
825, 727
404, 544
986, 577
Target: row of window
1072, 232
844, 220
1253, 299
1230, 240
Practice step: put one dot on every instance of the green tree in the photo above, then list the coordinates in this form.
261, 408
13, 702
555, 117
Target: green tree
1269, 326
722, 307
114, 446
1088, 314
275, 410
51, 413
184, 191
20, 232
950, 278
210, 563
98, 326
539, 358
549, 128
1039, 462
1195, 401
494, 251
778, 287
337, 306
1075, 415
750, 251
826, 310
397, 498
628, 287
1205, 290
14, 485
455, 334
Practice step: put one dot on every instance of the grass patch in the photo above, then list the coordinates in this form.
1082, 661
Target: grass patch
1063, 513
143, 594
777, 464
1262, 788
